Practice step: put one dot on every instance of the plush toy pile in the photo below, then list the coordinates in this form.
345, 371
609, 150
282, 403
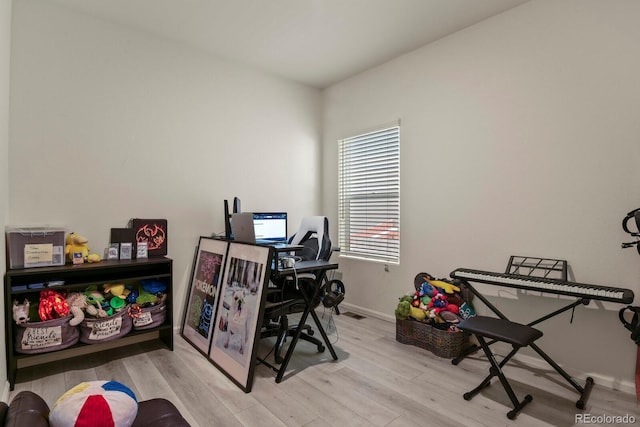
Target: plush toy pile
436, 301
93, 302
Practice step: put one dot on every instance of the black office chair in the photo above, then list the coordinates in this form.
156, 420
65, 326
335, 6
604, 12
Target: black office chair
286, 297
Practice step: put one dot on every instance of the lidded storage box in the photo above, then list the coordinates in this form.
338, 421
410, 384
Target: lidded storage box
43, 337
34, 246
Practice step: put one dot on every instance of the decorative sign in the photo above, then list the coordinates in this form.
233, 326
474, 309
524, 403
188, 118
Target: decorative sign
35, 338
143, 320
38, 254
105, 328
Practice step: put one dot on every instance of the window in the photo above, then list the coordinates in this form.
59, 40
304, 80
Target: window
369, 195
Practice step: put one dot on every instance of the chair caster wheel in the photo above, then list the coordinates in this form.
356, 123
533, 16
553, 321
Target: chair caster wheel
321, 349
310, 332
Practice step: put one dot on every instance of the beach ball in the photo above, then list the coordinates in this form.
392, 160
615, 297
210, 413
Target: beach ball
95, 404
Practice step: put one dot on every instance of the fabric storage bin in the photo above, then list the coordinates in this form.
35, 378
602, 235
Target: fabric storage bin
43, 337
149, 317
93, 331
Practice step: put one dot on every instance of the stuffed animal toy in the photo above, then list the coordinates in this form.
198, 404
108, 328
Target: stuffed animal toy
93, 258
52, 305
77, 306
453, 308
438, 303
417, 313
403, 309
76, 243
21, 312
153, 286
466, 311
428, 289
146, 299
133, 295
116, 289
95, 301
446, 287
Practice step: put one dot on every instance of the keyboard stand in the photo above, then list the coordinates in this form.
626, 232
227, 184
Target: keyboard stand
583, 391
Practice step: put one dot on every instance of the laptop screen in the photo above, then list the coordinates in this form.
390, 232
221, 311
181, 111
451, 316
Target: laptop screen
270, 226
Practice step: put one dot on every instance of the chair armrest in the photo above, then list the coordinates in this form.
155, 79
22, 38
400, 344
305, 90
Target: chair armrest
159, 413
27, 409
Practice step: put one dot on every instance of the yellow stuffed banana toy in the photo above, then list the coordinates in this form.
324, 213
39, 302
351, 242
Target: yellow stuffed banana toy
417, 313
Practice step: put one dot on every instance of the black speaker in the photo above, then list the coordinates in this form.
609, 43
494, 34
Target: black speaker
333, 293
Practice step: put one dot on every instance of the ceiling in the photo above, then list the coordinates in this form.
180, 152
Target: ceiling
314, 42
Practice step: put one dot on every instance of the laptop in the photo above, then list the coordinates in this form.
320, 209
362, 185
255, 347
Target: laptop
270, 227
242, 225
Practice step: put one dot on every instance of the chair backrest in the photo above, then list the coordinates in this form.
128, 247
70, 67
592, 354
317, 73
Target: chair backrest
313, 234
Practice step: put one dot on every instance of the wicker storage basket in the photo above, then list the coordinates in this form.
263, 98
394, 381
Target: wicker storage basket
444, 344
150, 317
105, 329
43, 337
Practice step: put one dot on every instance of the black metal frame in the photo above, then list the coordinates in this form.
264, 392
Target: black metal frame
545, 266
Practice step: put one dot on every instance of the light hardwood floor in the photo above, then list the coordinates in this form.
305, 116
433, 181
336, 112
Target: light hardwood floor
375, 382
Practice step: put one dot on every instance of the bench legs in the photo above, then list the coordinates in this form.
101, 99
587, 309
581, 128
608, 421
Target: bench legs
496, 370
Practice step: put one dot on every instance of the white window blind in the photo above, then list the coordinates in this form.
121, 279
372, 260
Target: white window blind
369, 195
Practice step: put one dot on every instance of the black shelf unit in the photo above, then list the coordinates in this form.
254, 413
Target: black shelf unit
78, 278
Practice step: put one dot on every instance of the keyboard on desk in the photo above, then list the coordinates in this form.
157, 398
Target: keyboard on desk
543, 284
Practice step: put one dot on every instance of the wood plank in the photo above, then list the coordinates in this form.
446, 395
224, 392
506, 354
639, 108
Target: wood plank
375, 382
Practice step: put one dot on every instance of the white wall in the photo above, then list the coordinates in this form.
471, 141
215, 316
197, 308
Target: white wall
519, 136
5, 46
109, 124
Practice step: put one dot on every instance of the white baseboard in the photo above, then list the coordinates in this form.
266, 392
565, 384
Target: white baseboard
345, 306
622, 385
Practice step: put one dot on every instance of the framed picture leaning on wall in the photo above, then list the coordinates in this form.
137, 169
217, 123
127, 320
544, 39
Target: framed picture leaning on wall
199, 312
240, 310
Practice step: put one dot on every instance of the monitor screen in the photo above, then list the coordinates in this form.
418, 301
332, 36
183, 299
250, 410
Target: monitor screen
270, 226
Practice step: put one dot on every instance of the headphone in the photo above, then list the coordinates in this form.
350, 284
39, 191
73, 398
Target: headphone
333, 293
635, 214
634, 325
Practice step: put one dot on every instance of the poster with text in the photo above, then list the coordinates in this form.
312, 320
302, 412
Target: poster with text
197, 325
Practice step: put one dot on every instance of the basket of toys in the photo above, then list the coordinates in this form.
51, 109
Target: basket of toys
147, 317
51, 325
149, 310
107, 317
46, 336
427, 317
103, 329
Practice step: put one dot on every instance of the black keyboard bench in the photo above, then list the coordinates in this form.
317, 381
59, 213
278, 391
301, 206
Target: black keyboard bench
506, 331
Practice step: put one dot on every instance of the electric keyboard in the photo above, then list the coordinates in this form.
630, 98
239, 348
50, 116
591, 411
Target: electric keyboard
543, 284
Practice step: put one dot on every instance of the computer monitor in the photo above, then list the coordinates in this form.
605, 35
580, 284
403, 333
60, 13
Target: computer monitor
271, 226
228, 232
